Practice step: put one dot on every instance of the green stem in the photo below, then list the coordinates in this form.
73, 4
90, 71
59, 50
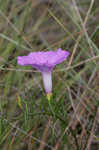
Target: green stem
51, 108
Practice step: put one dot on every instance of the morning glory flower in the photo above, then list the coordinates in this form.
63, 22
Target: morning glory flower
44, 62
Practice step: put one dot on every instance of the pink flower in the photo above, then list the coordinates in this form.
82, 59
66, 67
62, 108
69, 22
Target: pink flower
44, 62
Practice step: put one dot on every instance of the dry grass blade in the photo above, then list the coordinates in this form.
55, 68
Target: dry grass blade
45, 134
83, 24
79, 37
59, 70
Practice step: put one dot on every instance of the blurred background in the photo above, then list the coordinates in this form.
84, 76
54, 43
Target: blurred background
26, 121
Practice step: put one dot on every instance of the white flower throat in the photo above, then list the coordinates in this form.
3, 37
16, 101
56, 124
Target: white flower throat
47, 80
